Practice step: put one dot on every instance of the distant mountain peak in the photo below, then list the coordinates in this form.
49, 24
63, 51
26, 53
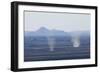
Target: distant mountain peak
43, 29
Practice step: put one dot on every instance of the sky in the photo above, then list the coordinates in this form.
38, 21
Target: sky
67, 22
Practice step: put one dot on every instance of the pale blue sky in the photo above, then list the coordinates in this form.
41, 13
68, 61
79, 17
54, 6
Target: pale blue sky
67, 22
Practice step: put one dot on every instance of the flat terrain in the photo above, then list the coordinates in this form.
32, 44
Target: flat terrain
37, 48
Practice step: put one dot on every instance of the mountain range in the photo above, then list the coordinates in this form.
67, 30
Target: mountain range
46, 32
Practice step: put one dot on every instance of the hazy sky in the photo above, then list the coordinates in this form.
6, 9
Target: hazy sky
60, 21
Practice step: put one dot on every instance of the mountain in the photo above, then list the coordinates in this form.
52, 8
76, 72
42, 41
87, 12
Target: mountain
45, 32
42, 30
